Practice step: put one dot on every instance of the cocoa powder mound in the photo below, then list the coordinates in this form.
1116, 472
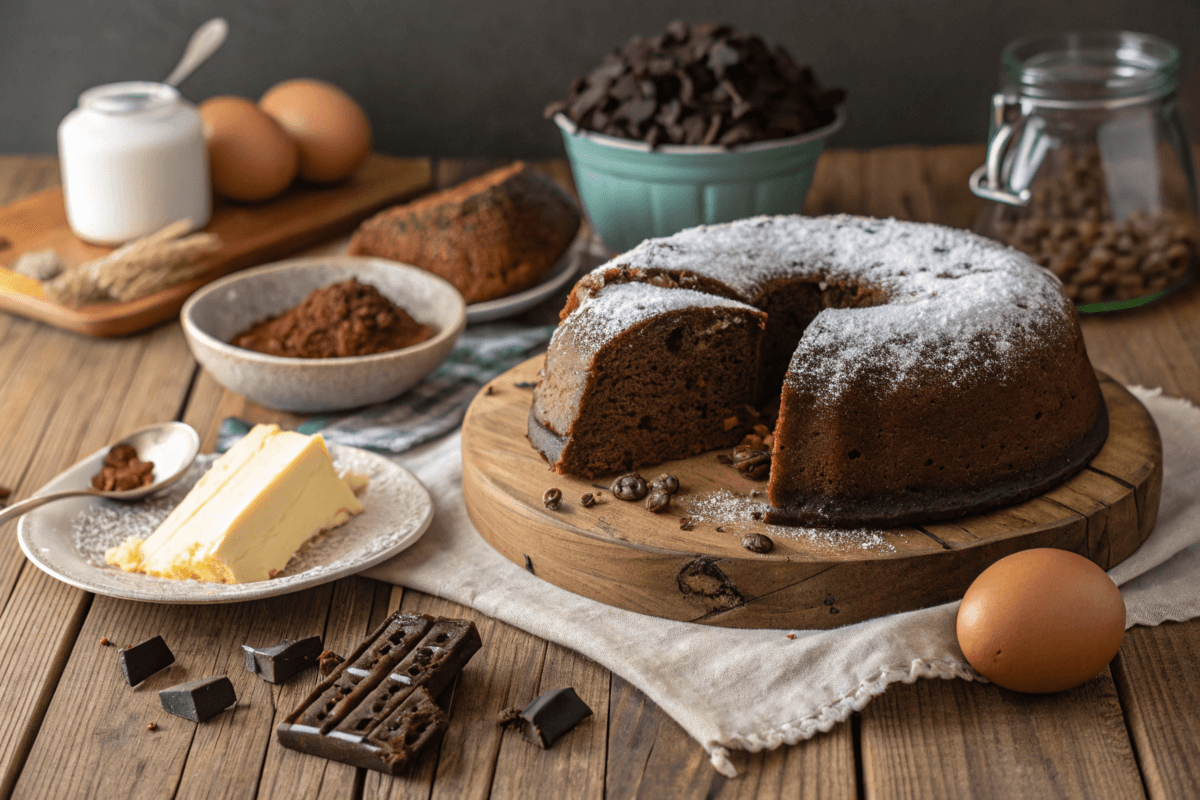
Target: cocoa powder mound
345, 319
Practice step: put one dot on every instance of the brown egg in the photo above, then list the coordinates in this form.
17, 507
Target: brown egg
330, 129
1041, 621
250, 156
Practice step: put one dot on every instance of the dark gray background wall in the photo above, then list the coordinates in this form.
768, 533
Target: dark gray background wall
470, 78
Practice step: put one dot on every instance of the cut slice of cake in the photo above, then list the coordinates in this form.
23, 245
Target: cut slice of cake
640, 374
245, 518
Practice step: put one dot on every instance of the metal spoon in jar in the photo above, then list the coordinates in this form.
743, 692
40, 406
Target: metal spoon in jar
172, 446
207, 39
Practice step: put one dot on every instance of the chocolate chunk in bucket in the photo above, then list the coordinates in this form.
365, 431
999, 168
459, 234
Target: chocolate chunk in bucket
281, 662
198, 700
551, 714
140, 661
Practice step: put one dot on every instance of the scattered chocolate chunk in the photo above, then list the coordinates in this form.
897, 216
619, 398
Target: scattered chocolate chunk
139, 662
151, 726
720, 528
756, 493
377, 710
757, 543
509, 717
552, 499
489, 390
724, 459
5, 243
104, 642
5, 493
630, 487
281, 662
833, 610
551, 714
587, 500
528, 564
658, 502
665, 482
756, 515
829, 600
327, 662
198, 700
123, 471
791, 636
525, 384
687, 524
754, 464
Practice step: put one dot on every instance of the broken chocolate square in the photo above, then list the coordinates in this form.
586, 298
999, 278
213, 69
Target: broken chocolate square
140, 661
280, 663
551, 714
198, 700
376, 709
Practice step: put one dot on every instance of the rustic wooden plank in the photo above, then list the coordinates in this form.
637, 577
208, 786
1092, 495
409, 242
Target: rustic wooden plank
896, 184
954, 739
22, 175
650, 756
837, 185
1159, 686
43, 617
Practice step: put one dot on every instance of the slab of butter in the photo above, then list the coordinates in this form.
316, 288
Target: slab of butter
245, 518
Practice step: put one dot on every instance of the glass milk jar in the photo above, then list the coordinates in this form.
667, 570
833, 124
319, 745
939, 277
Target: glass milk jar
133, 160
1088, 166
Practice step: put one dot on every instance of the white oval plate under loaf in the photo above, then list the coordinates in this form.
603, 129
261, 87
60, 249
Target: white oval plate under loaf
67, 539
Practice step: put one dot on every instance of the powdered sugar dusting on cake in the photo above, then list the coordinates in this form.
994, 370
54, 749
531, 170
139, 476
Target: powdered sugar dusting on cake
615, 309
946, 302
723, 507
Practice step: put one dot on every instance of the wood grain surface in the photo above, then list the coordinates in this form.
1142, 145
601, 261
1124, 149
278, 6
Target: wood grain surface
251, 234
66, 732
622, 555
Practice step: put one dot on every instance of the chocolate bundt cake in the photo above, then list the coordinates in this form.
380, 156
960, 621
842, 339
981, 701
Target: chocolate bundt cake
491, 236
922, 372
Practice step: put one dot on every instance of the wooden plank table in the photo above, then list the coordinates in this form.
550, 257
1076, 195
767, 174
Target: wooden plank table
71, 728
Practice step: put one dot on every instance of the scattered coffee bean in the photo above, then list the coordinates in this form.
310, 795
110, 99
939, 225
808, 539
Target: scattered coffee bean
104, 642
687, 524
630, 487
658, 502
757, 543
552, 499
152, 726
699, 84
666, 482
754, 464
588, 500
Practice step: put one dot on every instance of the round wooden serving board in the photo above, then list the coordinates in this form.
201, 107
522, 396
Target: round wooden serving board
622, 555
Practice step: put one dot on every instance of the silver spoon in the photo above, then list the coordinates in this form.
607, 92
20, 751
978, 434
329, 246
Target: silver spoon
207, 39
172, 446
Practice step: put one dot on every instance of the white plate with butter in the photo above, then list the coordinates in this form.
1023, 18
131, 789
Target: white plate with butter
67, 539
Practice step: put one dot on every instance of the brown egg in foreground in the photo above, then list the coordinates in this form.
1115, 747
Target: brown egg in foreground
1041, 621
330, 129
250, 156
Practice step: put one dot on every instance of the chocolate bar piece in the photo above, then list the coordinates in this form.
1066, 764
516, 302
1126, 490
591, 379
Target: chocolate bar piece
377, 710
140, 661
551, 714
198, 700
280, 663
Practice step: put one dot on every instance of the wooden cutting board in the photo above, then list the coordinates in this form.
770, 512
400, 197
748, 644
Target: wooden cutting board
621, 554
251, 234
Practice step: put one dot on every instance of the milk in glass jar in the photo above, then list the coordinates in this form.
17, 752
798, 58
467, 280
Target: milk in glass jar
133, 160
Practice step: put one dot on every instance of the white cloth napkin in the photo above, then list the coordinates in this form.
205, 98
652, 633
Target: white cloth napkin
755, 689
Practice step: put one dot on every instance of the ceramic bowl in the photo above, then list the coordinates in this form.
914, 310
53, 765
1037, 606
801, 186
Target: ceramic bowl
631, 192
222, 309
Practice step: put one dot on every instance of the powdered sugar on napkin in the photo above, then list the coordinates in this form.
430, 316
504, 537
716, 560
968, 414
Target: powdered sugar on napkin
756, 689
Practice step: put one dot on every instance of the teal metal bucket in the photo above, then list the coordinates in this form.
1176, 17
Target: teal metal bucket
631, 192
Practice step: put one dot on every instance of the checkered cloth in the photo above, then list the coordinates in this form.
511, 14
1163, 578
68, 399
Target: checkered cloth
434, 407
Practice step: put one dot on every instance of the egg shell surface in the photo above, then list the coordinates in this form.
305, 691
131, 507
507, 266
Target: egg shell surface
1040, 621
251, 157
330, 129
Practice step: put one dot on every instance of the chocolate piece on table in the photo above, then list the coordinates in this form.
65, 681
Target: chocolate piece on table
376, 709
198, 700
281, 662
140, 661
327, 662
551, 714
